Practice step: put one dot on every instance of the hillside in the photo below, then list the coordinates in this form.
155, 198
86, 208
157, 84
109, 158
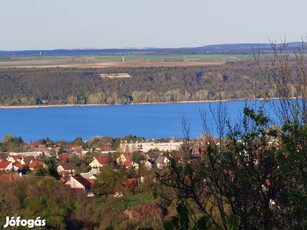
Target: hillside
35, 86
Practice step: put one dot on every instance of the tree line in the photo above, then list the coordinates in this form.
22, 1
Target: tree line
233, 80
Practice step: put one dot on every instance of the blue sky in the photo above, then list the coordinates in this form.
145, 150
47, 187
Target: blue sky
53, 24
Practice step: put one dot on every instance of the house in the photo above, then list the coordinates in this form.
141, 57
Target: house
78, 149
153, 155
78, 182
7, 166
124, 157
34, 164
26, 160
14, 158
93, 172
99, 161
32, 153
69, 168
19, 166
162, 161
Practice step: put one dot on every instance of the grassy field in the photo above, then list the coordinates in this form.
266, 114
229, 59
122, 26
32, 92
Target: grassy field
176, 57
74, 61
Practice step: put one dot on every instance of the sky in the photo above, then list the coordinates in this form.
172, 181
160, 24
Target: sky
71, 24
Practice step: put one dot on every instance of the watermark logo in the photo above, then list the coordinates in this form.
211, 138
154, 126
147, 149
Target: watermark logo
30, 223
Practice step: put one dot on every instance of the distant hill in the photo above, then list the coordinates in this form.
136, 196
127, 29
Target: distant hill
243, 48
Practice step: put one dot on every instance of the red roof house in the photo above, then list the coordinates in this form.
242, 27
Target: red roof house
124, 157
99, 161
77, 149
7, 166
78, 182
19, 166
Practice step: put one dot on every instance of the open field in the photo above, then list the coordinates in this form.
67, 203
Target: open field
102, 61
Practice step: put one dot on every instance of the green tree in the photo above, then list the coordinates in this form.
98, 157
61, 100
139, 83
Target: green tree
181, 221
107, 180
12, 144
254, 175
78, 141
51, 163
40, 171
244, 181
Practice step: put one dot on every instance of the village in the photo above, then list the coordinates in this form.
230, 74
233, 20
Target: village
79, 163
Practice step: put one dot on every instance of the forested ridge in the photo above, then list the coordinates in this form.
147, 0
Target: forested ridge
35, 86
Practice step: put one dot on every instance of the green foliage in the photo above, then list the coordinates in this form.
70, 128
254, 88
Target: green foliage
112, 157
181, 221
32, 197
204, 223
46, 141
132, 172
83, 168
78, 141
255, 178
11, 144
108, 180
75, 160
40, 171
51, 163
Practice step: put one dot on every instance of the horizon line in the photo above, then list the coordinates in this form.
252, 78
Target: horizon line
149, 48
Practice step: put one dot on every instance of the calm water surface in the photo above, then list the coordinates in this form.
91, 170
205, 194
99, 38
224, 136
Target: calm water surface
150, 121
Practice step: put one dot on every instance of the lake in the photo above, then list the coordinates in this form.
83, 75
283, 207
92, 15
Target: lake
149, 121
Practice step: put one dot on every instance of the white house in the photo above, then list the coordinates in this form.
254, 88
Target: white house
79, 183
7, 166
93, 172
99, 161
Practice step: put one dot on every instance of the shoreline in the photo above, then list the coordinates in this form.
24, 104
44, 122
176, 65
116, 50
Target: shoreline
144, 103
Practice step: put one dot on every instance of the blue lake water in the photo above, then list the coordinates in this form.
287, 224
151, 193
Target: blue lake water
149, 121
